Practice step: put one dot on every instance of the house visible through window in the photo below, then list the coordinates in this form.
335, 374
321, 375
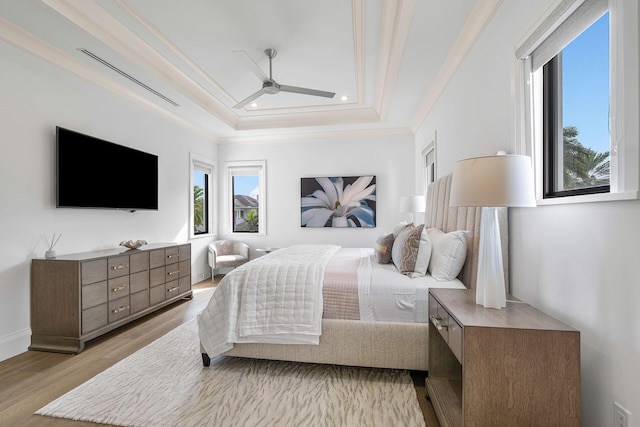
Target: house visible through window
246, 203
576, 104
246, 184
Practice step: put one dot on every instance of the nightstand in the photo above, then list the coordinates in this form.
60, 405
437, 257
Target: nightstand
511, 367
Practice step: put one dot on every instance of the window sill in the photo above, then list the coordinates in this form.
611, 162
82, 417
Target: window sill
202, 236
589, 198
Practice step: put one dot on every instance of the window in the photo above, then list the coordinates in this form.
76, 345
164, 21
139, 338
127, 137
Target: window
575, 99
246, 204
429, 163
578, 116
201, 196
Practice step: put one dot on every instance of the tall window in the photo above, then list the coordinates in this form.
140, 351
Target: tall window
201, 200
576, 102
580, 104
246, 204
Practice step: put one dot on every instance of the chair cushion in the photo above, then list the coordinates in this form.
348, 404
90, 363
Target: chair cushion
223, 261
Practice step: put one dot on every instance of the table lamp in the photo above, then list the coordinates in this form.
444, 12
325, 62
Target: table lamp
413, 204
490, 182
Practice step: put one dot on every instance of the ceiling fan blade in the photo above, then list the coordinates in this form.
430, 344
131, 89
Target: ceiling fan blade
306, 91
249, 99
251, 65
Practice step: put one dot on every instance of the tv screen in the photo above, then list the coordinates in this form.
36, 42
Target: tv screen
93, 173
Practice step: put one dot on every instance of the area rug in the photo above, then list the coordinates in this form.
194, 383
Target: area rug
165, 384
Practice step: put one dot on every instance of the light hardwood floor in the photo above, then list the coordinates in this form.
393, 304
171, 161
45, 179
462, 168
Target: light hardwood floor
32, 379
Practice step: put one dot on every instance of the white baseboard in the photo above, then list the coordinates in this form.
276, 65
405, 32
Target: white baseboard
14, 343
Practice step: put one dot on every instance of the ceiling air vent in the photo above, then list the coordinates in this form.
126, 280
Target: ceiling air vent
133, 79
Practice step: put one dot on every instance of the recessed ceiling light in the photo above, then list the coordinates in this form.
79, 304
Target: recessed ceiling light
344, 98
254, 104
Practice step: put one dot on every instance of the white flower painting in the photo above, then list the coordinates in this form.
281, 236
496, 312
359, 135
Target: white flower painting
338, 201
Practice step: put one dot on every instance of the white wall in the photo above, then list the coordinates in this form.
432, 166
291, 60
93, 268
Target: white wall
574, 262
389, 158
35, 98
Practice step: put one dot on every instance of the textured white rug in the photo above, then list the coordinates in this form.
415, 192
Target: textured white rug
165, 384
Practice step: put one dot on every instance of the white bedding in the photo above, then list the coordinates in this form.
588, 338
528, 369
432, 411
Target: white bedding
388, 296
274, 299
288, 311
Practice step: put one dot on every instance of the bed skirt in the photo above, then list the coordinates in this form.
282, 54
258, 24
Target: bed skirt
353, 343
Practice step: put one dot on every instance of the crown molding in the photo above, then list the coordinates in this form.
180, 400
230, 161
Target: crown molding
314, 136
477, 20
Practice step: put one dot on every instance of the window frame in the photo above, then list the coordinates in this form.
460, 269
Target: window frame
625, 135
198, 162
257, 167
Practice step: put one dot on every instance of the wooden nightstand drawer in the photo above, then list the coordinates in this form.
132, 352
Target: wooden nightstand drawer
455, 338
439, 317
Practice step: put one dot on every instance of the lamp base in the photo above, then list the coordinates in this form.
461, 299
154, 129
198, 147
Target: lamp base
490, 286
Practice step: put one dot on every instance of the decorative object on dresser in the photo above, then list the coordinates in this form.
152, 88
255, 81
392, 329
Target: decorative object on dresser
412, 204
490, 182
515, 367
344, 201
133, 245
50, 253
75, 298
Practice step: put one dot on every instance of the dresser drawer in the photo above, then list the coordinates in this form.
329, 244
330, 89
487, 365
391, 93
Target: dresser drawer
157, 294
173, 288
94, 271
118, 287
173, 272
156, 258
172, 255
119, 309
138, 262
94, 294
157, 276
185, 284
185, 252
139, 281
94, 318
185, 268
118, 266
139, 301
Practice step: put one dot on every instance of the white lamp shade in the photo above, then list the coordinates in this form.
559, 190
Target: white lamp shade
496, 181
412, 204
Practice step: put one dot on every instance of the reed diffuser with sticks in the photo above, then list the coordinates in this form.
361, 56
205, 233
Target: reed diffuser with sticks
50, 253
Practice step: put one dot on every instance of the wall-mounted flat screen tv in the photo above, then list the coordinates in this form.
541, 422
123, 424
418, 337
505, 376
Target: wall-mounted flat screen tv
93, 173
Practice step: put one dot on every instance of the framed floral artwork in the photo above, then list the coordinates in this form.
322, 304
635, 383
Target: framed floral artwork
345, 201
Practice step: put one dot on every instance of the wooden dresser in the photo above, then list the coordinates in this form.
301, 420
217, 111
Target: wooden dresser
75, 298
510, 367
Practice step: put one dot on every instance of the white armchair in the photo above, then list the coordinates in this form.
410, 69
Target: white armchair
227, 253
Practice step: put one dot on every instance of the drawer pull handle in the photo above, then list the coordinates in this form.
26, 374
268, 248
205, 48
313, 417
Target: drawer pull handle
438, 324
119, 309
174, 255
173, 289
119, 288
119, 266
171, 273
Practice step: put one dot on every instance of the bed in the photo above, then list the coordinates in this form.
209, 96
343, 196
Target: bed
370, 337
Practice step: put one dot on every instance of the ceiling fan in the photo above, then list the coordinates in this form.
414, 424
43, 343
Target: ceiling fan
269, 85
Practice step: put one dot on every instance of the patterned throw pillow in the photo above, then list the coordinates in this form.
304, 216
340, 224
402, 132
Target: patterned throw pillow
411, 251
448, 254
383, 248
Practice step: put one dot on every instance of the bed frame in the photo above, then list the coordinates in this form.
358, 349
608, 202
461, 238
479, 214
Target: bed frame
387, 344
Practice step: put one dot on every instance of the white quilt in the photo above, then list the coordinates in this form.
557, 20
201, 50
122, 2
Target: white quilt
273, 299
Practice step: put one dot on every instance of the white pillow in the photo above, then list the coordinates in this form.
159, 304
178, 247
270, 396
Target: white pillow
448, 253
411, 251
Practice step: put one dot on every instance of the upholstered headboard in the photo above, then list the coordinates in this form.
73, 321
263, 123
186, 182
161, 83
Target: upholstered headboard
440, 215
